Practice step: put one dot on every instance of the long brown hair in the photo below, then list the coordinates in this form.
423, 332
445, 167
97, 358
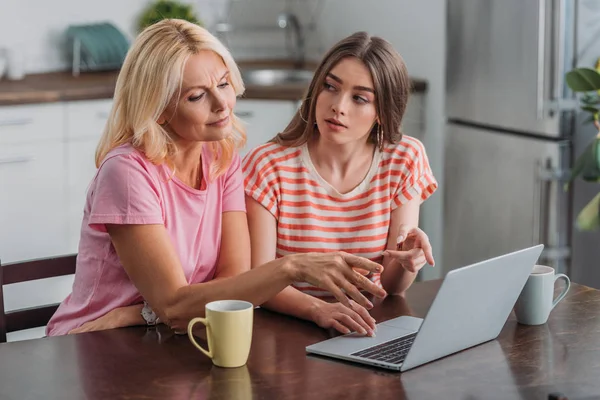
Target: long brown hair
390, 78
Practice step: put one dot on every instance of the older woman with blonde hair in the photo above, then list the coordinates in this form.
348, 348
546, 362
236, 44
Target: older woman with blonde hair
164, 228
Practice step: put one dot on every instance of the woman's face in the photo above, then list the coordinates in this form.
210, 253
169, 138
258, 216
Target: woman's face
345, 109
202, 113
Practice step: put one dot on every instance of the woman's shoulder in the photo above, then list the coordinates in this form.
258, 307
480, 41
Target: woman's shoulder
125, 158
408, 149
270, 154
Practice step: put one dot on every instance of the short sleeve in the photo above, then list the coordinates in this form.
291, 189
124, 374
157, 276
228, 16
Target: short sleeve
418, 180
124, 192
260, 180
233, 194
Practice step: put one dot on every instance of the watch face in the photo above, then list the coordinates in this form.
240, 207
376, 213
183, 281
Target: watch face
148, 315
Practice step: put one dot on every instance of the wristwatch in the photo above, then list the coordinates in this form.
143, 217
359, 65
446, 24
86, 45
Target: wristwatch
149, 315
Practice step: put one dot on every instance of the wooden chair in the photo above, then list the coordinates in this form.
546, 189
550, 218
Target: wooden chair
25, 271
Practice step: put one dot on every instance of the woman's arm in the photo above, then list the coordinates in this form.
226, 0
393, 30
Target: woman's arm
233, 260
149, 259
401, 267
263, 238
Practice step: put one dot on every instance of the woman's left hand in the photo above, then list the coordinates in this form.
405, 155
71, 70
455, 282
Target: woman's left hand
414, 249
117, 318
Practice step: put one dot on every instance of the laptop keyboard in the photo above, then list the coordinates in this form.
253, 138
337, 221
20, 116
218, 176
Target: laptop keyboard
393, 351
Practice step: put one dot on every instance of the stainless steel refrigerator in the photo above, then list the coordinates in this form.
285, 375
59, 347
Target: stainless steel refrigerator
512, 130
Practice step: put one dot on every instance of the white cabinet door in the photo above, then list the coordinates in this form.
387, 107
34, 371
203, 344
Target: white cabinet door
263, 119
32, 201
85, 124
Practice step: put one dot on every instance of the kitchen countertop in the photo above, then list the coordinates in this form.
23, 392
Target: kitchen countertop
62, 86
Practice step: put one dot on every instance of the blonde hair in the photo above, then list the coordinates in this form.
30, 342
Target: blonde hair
150, 78
390, 78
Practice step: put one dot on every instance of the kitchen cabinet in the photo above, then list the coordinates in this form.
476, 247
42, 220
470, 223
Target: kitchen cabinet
32, 170
32, 200
263, 119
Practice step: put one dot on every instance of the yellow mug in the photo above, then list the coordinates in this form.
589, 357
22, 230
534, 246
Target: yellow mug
228, 332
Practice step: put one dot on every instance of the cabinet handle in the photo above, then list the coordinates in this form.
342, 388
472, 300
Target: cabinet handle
16, 159
244, 114
17, 121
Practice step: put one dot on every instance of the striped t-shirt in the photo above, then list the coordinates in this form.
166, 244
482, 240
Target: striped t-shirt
312, 216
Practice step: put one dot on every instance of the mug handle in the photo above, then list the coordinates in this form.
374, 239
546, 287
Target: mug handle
564, 292
204, 321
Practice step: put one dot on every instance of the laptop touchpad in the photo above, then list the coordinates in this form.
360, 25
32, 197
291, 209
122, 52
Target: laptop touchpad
410, 323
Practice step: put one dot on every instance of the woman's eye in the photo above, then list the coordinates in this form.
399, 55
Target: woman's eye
224, 85
327, 86
361, 99
196, 98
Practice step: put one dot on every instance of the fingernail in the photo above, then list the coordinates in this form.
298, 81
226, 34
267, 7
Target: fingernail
371, 333
369, 304
399, 239
363, 331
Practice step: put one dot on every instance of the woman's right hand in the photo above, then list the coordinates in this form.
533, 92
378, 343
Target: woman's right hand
335, 272
342, 318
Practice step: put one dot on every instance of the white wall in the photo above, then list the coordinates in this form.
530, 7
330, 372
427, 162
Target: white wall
417, 30
37, 27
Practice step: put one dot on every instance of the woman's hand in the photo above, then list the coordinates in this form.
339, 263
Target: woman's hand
117, 318
334, 272
414, 249
344, 319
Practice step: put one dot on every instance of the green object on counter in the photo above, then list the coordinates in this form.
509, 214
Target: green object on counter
163, 9
96, 47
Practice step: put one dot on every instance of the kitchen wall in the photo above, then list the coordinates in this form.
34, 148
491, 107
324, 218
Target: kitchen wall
417, 30
37, 27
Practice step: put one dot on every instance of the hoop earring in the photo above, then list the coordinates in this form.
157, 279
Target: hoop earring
380, 136
302, 112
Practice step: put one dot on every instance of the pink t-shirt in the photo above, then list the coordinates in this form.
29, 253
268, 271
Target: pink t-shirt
129, 189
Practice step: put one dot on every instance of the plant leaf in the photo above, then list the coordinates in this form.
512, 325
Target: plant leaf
590, 100
579, 164
591, 171
590, 109
589, 217
583, 79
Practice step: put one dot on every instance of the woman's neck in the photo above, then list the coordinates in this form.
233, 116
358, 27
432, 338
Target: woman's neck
344, 167
188, 163
341, 160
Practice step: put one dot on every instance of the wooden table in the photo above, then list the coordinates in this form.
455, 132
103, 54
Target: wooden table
136, 363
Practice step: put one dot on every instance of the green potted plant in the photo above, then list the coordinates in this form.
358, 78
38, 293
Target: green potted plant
162, 9
587, 82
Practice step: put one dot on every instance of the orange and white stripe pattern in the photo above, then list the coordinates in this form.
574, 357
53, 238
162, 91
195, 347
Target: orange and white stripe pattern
312, 216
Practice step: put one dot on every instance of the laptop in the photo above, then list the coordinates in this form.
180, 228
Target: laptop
470, 308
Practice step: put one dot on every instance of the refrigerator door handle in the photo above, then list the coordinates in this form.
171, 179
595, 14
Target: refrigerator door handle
559, 53
538, 205
541, 58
